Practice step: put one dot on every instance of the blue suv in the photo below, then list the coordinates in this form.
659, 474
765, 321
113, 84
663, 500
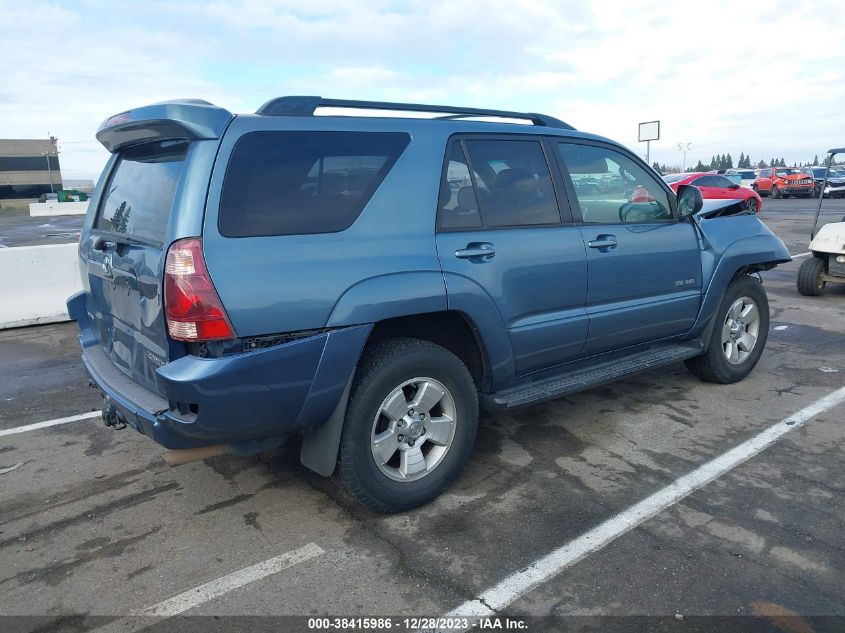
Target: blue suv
366, 283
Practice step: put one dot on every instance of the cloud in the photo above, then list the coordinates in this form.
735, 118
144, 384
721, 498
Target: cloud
728, 77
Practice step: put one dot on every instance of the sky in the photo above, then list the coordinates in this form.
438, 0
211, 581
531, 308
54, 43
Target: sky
764, 78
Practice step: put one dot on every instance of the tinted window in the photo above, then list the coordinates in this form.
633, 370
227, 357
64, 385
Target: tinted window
458, 205
140, 192
612, 187
722, 181
674, 177
28, 163
705, 181
284, 183
513, 182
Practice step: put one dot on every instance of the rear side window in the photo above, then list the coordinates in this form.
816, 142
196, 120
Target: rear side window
140, 192
514, 186
287, 183
458, 205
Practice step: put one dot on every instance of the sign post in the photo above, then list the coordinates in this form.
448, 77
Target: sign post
649, 131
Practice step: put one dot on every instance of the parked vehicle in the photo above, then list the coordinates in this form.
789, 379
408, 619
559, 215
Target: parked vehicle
827, 244
715, 187
367, 283
783, 182
835, 186
746, 176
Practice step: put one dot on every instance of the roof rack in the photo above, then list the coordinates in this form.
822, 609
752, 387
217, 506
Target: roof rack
305, 106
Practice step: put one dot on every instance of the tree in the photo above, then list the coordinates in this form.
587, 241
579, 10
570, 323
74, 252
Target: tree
729, 162
701, 166
816, 159
762, 164
741, 162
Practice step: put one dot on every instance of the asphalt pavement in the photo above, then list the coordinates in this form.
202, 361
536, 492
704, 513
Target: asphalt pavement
95, 528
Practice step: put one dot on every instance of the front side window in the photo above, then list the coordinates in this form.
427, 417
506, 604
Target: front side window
705, 181
139, 196
612, 187
287, 183
722, 182
514, 185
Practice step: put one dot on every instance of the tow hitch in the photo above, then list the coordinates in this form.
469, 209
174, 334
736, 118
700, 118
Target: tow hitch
111, 417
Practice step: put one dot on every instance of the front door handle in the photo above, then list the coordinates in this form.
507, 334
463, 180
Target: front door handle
603, 242
477, 252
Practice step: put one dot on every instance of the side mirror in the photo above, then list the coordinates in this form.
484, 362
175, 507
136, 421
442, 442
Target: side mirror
734, 186
690, 200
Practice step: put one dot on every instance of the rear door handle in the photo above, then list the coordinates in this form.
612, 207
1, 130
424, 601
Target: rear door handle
476, 252
603, 242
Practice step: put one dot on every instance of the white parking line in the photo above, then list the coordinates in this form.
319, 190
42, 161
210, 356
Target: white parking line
517, 585
801, 254
209, 591
44, 425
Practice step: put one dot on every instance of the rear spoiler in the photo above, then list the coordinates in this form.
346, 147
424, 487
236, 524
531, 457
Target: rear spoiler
191, 119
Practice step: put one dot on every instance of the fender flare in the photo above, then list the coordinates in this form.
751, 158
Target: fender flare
756, 252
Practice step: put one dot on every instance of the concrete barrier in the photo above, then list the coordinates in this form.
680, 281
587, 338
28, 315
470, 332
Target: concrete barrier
35, 281
39, 209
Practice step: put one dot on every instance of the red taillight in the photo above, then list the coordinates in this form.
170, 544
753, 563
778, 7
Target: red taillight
191, 305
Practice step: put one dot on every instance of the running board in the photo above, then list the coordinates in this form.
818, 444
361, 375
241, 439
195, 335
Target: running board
591, 372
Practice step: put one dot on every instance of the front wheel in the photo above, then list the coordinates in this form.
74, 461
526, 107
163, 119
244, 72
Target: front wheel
410, 424
810, 280
775, 192
739, 334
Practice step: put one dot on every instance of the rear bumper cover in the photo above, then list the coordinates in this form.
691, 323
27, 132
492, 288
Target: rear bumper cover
232, 400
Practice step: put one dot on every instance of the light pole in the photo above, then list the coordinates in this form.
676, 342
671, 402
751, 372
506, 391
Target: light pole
684, 147
49, 170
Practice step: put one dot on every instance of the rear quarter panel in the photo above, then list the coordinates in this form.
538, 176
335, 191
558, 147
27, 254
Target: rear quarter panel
297, 282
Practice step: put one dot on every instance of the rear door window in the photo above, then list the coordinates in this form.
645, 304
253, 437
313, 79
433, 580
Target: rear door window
288, 183
513, 182
141, 189
458, 205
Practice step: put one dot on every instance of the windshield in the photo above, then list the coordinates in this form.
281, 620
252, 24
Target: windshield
748, 175
787, 172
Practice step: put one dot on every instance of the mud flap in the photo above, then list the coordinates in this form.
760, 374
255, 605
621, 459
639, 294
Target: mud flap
320, 445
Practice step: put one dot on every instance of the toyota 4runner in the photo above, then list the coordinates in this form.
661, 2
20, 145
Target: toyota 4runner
367, 283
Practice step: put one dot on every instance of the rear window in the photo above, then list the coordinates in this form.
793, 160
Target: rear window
140, 192
287, 183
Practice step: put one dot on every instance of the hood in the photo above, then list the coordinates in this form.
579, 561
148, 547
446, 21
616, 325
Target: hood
722, 207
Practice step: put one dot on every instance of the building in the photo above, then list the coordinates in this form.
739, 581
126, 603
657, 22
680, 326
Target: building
28, 168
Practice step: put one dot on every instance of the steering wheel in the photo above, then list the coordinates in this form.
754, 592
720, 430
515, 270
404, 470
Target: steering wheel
624, 210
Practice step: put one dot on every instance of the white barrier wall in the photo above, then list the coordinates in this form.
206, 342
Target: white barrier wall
38, 209
35, 282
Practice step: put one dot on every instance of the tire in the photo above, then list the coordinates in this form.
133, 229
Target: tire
397, 370
775, 192
714, 364
809, 282
752, 204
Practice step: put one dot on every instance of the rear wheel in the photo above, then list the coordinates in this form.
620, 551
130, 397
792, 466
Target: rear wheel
775, 192
410, 424
810, 282
739, 334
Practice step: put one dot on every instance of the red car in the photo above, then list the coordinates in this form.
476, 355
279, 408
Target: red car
714, 186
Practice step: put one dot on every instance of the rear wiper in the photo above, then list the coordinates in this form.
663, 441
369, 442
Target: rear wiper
115, 238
